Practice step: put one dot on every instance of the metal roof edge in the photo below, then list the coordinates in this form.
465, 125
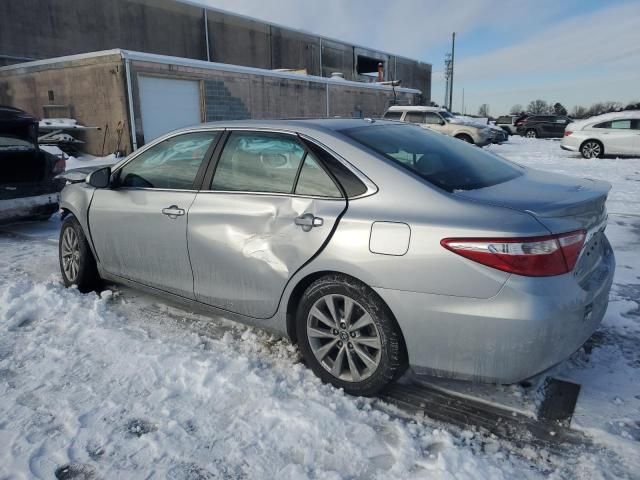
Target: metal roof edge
204, 64
65, 58
226, 67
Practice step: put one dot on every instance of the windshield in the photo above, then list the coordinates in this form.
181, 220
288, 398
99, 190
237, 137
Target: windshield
445, 162
446, 115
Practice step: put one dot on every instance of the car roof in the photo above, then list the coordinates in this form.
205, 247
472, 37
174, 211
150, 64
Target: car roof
300, 125
414, 108
614, 116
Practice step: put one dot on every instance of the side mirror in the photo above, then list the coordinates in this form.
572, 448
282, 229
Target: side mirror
100, 178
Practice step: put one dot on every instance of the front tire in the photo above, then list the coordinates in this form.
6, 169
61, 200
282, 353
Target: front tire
348, 336
592, 149
77, 264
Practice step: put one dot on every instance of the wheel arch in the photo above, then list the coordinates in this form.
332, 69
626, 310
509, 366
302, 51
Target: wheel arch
298, 291
592, 139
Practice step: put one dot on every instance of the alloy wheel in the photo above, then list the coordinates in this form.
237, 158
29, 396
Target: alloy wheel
591, 150
70, 254
344, 338
531, 134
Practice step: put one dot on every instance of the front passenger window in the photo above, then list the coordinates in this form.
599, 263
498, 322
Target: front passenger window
171, 164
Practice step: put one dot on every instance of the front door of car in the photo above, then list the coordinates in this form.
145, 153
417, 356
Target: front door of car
269, 208
139, 226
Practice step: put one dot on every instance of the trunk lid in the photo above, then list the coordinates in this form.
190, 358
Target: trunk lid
562, 204
559, 202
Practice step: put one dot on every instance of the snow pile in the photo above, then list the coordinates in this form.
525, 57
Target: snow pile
125, 388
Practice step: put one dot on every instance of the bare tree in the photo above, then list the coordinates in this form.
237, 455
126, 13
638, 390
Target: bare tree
538, 107
483, 111
516, 109
579, 112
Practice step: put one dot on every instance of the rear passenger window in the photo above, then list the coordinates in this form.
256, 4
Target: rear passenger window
414, 117
621, 124
258, 162
313, 180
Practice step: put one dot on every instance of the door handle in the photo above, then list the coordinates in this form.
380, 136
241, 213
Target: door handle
173, 211
307, 221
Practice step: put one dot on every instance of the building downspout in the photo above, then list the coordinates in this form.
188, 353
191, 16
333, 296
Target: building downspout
327, 90
206, 34
321, 57
132, 120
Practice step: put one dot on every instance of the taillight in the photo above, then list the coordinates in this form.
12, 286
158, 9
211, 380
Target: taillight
60, 165
567, 133
531, 256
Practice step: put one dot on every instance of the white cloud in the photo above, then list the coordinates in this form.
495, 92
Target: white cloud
594, 39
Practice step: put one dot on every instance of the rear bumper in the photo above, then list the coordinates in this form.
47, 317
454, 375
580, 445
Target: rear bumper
529, 326
25, 207
571, 143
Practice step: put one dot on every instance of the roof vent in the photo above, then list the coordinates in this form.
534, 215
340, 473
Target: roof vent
337, 75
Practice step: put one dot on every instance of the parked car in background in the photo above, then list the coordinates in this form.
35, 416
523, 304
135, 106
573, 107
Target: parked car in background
508, 123
543, 126
28, 188
442, 121
499, 135
615, 133
372, 244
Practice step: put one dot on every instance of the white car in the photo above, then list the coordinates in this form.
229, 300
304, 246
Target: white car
440, 120
616, 133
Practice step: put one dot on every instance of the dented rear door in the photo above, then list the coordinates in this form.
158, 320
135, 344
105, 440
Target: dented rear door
245, 245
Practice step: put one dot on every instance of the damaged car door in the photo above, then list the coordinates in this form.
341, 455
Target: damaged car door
139, 224
267, 206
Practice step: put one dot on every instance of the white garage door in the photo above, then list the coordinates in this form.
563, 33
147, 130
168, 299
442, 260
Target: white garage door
167, 104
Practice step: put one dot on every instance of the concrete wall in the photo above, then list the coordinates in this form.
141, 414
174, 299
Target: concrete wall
93, 89
235, 96
38, 29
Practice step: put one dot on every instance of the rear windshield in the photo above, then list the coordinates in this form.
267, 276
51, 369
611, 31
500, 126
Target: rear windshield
445, 162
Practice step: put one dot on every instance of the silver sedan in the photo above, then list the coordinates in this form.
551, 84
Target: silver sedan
373, 245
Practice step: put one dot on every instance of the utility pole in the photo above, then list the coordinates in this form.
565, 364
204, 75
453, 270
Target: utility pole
462, 102
453, 50
448, 76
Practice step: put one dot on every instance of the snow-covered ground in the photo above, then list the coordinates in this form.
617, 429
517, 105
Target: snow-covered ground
123, 385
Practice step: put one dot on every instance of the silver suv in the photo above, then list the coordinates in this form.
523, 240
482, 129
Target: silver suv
440, 120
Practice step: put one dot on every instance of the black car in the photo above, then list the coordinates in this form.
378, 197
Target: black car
28, 188
543, 126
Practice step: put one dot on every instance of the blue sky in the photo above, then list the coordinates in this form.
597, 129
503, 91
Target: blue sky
507, 52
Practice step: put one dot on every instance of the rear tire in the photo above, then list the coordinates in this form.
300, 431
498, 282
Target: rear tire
465, 138
348, 336
531, 133
592, 149
77, 263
